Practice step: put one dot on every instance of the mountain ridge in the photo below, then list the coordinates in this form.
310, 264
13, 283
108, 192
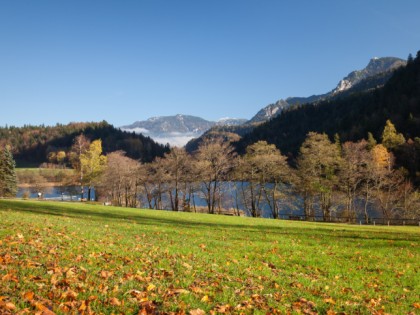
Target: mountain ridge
375, 74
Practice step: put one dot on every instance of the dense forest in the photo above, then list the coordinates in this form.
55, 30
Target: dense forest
352, 117
31, 145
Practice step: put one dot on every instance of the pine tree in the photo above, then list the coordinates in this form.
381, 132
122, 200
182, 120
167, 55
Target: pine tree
8, 182
390, 138
371, 142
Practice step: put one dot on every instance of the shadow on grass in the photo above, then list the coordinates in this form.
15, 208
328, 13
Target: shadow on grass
100, 214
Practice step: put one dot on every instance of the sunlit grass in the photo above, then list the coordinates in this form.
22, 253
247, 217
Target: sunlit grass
76, 257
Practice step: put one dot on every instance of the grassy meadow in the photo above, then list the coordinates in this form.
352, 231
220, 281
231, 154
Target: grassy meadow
88, 259
44, 176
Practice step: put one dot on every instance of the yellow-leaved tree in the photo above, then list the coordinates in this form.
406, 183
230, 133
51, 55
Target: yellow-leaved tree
92, 163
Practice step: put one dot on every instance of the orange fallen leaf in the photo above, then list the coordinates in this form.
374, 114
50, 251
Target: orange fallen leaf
329, 300
197, 312
106, 274
45, 310
10, 306
114, 301
28, 296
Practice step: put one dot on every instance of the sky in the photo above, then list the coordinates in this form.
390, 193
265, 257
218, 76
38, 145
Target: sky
124, 61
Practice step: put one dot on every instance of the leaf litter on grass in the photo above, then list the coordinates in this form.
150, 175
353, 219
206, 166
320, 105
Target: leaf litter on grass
103, 263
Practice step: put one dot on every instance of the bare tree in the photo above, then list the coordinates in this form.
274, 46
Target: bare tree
176, 165
213, 162
318, 164
155, 183
352, 174
260, 172
80, 146
120, 181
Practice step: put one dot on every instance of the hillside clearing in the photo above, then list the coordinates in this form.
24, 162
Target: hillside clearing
72, 257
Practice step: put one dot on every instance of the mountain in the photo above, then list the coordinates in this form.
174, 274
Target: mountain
269, 112
352, 116
374, 75
376, 67
177, 130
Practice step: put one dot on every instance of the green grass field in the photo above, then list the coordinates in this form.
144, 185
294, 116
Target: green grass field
37, 176
88, 259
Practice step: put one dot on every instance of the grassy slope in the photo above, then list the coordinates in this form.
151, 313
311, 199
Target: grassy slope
40, 176
104, 259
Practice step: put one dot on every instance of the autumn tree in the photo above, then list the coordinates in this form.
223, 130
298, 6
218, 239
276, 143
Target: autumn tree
213, 162
154, 183
80, 146
8, 182
260, 171
177, 164
61, 157
92, 164
120, 180
318, 164
355, 159
386, 181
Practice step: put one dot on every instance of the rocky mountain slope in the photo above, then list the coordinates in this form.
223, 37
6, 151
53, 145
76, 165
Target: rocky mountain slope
374, 75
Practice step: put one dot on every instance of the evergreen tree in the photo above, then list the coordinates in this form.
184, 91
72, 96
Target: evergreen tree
8, 182
371, 141
390, 138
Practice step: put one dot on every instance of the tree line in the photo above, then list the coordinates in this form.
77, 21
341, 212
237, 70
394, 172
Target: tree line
328, 178
33, 145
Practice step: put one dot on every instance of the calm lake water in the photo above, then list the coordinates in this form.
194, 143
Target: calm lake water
67, 193
231, 199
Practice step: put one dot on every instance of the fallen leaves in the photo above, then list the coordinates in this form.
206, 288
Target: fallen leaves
60, 267
197, 312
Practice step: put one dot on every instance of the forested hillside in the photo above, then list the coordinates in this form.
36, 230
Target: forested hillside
352, 117
31, 144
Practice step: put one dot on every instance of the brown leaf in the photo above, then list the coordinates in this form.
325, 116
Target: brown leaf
329, 300
45, 310
147, 308
196, 289
180, 291
83, 306
197, 312
114, 301
106, 274
10, 306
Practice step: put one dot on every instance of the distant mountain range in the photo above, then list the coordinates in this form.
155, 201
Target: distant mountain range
179, 129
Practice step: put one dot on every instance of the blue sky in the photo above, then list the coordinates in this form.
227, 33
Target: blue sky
122, 61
